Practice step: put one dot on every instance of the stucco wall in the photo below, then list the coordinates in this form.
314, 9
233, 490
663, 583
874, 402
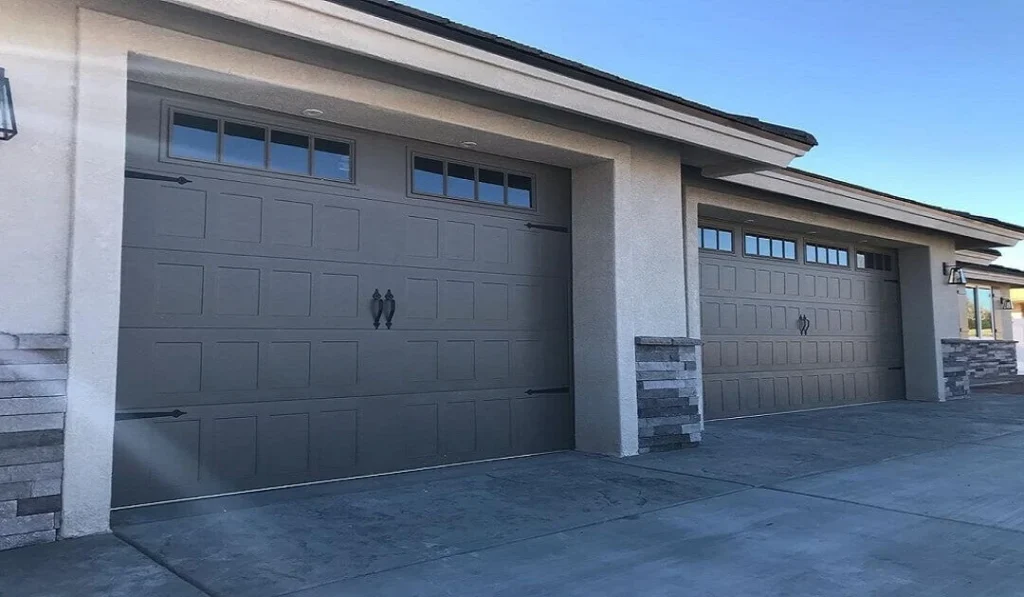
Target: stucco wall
35, 166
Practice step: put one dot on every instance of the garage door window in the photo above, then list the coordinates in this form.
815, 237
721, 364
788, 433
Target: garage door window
209, 139
715, 239
826, 255
441, 178
766, 246
875, 261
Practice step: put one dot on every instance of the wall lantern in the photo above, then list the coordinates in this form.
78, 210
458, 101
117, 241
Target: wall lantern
954, 275
8, 125
1005, 304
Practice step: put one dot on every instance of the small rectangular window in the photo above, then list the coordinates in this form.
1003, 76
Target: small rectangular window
750, 245
491, 188
764, 246
520, 190
714, 239
332, 159
986, 308
193, 137
876, 261
709, 238
428, 176
811, 254
432, 176
244, 145
844, 258
289, 152
827, 255
461, 181
725, 240
822, 255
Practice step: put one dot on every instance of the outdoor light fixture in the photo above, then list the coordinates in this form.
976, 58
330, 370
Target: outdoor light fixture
1005, 304
8, 125
954, 275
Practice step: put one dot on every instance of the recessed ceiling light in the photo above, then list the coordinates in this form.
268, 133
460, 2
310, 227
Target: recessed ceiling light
468, 144
312, 112
749, 221
812, 232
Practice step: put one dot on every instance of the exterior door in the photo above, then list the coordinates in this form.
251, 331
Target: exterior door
249, 352
788, 334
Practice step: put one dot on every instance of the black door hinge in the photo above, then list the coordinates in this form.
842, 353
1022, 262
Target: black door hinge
160, 177
547, 227
153, 414
564, 390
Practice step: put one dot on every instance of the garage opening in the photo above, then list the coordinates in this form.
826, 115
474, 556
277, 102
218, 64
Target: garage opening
796, 321
302, 302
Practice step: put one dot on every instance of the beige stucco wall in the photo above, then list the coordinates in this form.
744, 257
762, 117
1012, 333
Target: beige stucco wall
35, 166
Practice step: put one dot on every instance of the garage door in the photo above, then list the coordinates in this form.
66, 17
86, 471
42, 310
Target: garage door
791, 324
301, 303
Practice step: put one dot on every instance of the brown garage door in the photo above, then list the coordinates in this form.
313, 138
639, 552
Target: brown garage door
816, 325
248, 304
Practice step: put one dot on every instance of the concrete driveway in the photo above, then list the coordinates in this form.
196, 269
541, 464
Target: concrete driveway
887, 499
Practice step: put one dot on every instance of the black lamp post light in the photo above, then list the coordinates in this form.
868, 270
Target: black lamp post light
8, 125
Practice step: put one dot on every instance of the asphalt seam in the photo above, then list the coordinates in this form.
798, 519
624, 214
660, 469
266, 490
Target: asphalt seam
515, 541
198, 585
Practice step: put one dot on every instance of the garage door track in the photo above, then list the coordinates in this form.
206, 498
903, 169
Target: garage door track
886, 499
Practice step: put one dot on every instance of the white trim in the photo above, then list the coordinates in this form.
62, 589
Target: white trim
973, 275
975, 257
787, 182
348, 29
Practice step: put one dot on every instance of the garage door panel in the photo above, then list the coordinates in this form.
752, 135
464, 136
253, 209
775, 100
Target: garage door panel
187, 289
760, 362
184, 367
225, 448
247, 304
232, 218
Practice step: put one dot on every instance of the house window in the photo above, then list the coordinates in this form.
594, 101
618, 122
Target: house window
766, 246
715, 239
431, 176
826, 255
876, 261
216, 140
980, 310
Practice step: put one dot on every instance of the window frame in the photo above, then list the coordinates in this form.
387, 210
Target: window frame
885, 256
477, 166
269, 125
771, 237
827, 248
718, 231
972, 292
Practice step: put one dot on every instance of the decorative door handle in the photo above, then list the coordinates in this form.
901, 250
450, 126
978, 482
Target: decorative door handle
804, 324
389, 301
377, 305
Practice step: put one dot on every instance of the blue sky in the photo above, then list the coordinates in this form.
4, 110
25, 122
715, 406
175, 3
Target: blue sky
920, 98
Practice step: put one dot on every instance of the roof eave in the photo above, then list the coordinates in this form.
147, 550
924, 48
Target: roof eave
819, 189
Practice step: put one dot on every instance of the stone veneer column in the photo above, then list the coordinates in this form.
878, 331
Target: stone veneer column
667, 393
33, 371
965, 360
